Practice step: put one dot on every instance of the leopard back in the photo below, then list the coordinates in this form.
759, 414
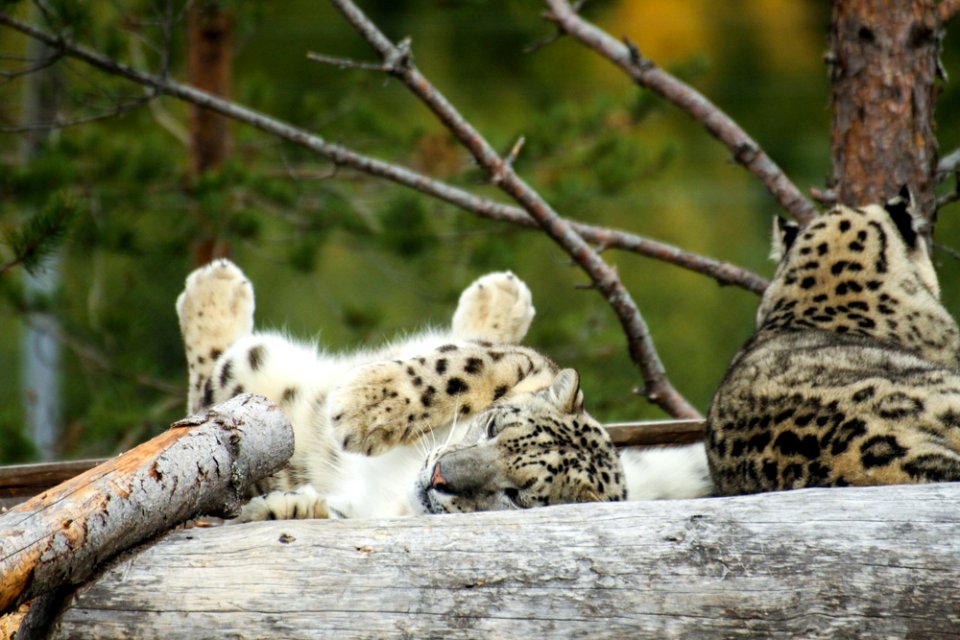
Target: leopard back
851, 376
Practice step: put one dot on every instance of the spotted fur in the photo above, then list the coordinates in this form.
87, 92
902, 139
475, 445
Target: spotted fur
851, 377
461, 419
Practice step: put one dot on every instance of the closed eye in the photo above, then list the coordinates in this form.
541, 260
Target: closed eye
491, 427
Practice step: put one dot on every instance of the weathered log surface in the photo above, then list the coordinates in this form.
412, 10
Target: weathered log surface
19, 483
203, 465
819, 563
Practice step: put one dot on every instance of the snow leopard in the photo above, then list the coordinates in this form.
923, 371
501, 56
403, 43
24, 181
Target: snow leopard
445, 420
852, 376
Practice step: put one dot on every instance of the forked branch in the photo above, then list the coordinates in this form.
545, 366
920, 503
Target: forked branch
398, 61
723, 272
744, 149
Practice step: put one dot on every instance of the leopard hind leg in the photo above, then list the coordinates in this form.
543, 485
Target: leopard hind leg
497, 308
215, 310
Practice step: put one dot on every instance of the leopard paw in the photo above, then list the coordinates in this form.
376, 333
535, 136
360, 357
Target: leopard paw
376, 408
301, 504
497, 307
215, 309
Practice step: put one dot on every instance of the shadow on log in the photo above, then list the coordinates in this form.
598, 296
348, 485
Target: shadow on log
816, 563
203, 465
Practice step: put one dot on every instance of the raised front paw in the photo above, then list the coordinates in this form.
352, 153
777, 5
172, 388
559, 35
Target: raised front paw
497, 307
215, 308
379, 406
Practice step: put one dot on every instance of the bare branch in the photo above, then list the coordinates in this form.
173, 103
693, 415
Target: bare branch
117, 110
948, 9
33, 68
948, 164
397, 58
746, 151
344, 63
341, 156
950, 251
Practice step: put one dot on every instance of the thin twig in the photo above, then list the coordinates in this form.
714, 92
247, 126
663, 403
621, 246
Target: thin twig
950, 251
948, 164
344, 63
745, 150
398, 60
34, 68
948, 198
117, 110
341, 156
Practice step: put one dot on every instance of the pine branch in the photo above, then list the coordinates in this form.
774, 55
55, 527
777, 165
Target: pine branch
341, 156
32, 242
397, 59
745, 150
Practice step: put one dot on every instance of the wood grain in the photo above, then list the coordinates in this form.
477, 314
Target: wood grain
819, 563
203, 465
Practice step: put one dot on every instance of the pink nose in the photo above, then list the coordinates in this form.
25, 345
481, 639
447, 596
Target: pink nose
437, 479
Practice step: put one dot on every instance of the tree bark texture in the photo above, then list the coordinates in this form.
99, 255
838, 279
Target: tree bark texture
209, 65
884, 70
819, 563
203, 465
209, 68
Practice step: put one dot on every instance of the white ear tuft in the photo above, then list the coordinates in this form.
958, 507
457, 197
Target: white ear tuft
784, 233
564, 391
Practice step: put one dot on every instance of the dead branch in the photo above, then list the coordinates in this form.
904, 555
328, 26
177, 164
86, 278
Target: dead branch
745, 150
723, 272
398, 60
202, 465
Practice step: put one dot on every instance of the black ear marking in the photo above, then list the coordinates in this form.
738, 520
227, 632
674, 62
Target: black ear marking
785, 232
902, 208
788, 231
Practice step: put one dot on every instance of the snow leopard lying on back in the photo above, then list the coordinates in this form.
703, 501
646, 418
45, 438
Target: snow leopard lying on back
851, 377
451, 420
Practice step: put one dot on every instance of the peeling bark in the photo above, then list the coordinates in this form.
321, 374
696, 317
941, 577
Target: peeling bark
203, 465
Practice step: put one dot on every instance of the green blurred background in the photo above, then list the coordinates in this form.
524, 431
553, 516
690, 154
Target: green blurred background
353, 260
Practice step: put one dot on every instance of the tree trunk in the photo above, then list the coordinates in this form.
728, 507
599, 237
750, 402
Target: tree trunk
820, 563
209, 68
885, 64
203, 465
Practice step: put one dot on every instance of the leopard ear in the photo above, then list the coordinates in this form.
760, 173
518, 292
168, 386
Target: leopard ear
903, 211
784, 234
564, 391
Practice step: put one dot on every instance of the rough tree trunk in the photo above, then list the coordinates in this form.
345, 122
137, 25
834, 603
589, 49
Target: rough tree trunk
203, 465
819, 563
209, 68
885, 64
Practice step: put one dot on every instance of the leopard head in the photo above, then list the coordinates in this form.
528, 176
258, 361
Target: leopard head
535, 449
860, 271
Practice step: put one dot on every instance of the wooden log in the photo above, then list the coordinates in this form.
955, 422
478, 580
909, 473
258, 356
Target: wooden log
817, 563
202, 465
655, 433
20, 482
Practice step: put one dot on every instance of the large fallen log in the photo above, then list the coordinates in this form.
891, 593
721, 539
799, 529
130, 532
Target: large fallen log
820, 563
203, 465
